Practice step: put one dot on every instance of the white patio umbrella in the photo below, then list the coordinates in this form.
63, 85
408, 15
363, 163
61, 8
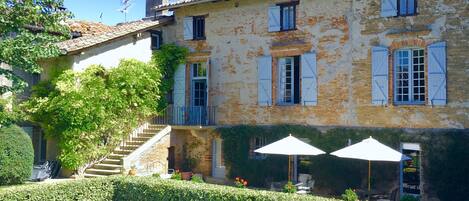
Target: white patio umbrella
370, 150
290, 146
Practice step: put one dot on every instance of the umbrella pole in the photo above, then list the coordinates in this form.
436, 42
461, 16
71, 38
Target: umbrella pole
289, 167
369, 176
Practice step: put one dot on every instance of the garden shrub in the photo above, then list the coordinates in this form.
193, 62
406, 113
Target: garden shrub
85, 189
349, 195
16, 155
142, 189
89, 112
445, 158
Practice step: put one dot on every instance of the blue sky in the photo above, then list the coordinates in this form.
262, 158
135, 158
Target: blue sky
90, 10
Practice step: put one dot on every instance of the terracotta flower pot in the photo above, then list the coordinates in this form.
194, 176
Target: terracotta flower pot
132, 172
186, 175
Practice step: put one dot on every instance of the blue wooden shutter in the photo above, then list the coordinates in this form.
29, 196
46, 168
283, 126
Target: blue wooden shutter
388, 8
437, 74
264, 87
380, 75
274, 18
309, 79
188, 28
179, 94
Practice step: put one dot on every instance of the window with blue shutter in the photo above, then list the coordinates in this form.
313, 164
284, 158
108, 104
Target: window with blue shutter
437, 74
274, 18
179, 95
391, 8
380, 75
309, 79
264, 87
188, 28
388, 8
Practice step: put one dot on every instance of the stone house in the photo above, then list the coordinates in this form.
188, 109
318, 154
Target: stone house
384, 64
397, 64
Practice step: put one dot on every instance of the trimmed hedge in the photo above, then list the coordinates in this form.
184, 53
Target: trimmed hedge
16, 155
86, 189
141, 189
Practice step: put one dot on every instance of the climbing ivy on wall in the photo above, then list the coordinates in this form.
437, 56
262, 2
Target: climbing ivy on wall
445, 158
89, 112
168, 58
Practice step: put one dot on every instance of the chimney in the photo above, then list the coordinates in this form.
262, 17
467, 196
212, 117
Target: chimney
151, 4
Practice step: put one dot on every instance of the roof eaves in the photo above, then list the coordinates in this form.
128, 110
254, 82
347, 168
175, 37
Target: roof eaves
181, 3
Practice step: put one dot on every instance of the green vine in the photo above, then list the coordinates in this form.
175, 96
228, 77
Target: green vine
168, 58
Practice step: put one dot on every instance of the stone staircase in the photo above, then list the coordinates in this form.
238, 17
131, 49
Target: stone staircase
113, 164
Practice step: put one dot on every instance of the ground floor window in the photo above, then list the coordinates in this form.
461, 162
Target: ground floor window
256, 143
411, 169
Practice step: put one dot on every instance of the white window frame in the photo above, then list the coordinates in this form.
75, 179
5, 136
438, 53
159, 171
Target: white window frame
253, 146
197, 77
282, 81
410, 78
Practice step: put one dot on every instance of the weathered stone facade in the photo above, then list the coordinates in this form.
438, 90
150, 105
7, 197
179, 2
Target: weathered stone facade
342, 34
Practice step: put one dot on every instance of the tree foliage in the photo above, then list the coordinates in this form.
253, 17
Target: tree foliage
28, 32
89, 112
16, 155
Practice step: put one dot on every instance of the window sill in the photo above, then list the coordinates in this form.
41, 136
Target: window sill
287, 104
287, 30
409, 104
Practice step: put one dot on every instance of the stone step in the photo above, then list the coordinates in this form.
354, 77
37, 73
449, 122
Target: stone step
116, 156
102, 171
141, 138
122, 151
93, 175
129, 147
138, 143
151, 130
107, 166
156, 126
112, 161
149, 135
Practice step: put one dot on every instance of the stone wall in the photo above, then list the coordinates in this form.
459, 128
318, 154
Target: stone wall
342, 33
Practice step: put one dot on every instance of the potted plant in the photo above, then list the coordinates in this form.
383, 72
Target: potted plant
187, 166
133, 171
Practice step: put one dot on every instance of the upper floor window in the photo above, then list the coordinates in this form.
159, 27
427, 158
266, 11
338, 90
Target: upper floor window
194, 28
289, 80
199, 28
156, 40
282, 17
406, 7
392, 8
288, 16
409, 76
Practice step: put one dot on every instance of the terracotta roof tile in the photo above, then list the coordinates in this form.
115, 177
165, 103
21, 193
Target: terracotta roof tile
96, 34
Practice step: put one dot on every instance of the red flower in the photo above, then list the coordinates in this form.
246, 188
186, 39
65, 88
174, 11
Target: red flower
245, 183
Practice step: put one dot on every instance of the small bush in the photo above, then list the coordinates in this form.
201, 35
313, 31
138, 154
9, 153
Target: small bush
16, 155
289, 188
142, 189
176, 175
409, 198
197, 179
349, 195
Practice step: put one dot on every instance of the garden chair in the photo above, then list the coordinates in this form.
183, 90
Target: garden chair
305, 185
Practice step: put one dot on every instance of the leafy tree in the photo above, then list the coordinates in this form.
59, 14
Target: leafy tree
28, 32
